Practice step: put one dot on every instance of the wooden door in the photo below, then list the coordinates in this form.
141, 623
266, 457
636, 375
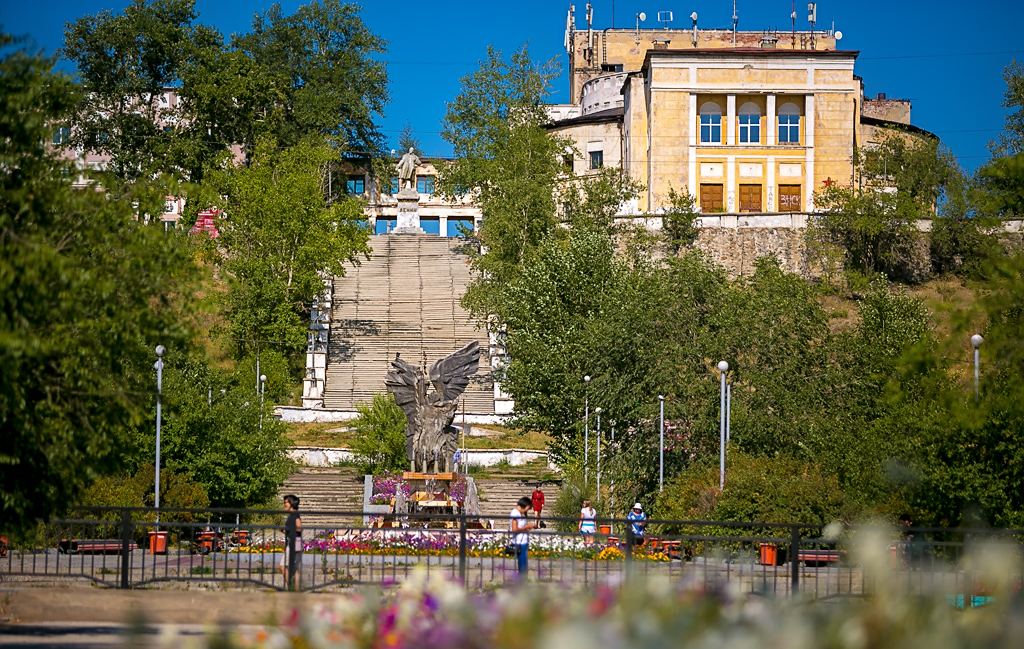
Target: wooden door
711, 198
789, 198
750, 198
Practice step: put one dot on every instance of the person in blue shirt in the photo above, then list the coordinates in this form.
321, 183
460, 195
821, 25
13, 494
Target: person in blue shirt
638, 520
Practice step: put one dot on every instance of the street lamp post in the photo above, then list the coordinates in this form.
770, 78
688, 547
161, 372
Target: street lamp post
728, 411
661, 443
263, 390
586, 431
159, 367
723, 367
976, 341
611, 487
597, 411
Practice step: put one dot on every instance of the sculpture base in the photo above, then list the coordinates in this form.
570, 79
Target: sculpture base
408, 219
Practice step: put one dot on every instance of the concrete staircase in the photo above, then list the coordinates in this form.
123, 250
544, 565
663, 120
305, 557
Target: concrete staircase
498, 496
404, 300
341, 489
326, 489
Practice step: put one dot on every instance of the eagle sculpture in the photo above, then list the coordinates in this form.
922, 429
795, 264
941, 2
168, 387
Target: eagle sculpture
430, 439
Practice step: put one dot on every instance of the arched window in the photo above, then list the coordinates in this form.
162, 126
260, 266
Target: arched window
711, 123
750, 123
789, 124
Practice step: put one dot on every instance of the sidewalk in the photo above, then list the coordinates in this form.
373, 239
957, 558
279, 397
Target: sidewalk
167, 606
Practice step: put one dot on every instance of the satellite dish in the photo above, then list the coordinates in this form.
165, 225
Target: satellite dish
839, 36
643, 16
693, 16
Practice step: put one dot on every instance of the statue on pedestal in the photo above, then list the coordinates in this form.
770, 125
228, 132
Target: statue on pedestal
406, 168
430, 439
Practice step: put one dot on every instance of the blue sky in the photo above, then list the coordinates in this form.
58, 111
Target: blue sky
946, 57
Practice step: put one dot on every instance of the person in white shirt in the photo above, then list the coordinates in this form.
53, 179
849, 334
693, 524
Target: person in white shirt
519, 526
588, 522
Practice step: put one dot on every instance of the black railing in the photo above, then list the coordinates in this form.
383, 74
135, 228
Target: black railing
130, 547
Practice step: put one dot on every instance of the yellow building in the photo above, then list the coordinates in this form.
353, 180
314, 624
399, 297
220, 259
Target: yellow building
745, 122
744, 130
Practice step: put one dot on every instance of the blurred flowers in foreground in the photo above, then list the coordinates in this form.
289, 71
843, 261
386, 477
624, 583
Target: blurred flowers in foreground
430, 613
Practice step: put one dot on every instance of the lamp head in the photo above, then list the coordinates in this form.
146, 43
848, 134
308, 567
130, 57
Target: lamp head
263, 378
160, 349
723, 366
586, 379
598, 410
976, 340
661, 398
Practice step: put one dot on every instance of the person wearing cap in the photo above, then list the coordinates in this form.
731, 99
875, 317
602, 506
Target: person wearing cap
638, 520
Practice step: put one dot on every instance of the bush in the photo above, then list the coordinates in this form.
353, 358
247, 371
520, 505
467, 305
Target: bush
379, 435
763, 490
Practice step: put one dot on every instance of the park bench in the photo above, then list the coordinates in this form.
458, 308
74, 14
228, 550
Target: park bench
813, 558
92, 546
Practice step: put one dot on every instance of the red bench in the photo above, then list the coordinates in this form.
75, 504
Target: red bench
818, 557
93, 546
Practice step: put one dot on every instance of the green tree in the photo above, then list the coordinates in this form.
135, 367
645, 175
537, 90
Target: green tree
508, 161
86, 295
379, 442
1011, 141
333, 84
408, 140
679, 220
281, 239
125, 63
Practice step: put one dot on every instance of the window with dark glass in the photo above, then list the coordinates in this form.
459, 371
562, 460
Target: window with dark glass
355, 185
596, 159
61, 135
425, 184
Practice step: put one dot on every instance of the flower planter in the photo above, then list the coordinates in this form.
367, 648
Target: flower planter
605, 529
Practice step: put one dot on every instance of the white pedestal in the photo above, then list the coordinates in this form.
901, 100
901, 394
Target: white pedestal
408, 221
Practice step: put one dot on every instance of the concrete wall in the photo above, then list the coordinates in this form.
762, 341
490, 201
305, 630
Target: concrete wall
321, 457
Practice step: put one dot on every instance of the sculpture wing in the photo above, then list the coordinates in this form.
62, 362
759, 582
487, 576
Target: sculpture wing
450, 375
401, 382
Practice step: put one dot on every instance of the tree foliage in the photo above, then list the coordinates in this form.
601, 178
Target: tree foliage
282, 239
87, 293
379, 442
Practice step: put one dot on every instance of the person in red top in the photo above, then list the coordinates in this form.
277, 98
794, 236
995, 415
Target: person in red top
538, 500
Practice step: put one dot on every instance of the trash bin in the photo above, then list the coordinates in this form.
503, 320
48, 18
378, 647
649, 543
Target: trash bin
158, 542
772, 554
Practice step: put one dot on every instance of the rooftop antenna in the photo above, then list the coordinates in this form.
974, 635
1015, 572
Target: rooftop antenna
812, 17
793, 16
590, 34
735, 21
693, 17
665, 17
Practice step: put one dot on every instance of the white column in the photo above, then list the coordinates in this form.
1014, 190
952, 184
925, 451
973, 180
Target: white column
443, 227
770, 207
809, 119
730, 119
693, 146
770, 121
730, 184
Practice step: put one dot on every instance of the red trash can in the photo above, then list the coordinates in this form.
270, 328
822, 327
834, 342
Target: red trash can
158, 542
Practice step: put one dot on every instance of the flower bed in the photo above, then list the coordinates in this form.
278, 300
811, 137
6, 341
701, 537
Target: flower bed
386, 485
421, 543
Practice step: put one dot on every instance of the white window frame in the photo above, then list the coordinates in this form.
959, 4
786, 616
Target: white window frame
789, 123
750, 123
711, 120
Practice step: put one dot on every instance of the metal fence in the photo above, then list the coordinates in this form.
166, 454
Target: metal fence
132, 547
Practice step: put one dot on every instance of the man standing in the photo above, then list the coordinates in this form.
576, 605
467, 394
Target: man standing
519, 527
291, 565
406, 169
538, 500
638, 520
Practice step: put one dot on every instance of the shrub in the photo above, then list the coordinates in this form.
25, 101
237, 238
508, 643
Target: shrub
757, 489
379, 435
